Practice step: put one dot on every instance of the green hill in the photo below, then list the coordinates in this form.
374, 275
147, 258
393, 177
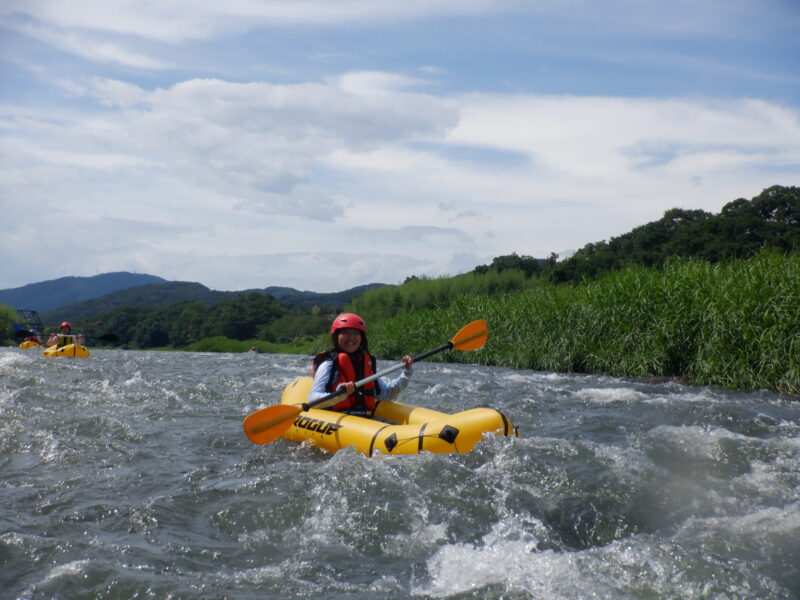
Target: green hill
156, 294
310, 299
163, 294
46, 295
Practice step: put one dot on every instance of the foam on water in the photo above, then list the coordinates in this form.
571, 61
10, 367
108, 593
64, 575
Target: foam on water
636, 567
128, 475
609, 395
76, 567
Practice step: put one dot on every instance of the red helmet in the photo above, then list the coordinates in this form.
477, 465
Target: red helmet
65, 324
348, 321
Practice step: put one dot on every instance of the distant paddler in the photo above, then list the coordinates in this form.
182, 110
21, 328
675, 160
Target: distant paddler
33, 338
65, 337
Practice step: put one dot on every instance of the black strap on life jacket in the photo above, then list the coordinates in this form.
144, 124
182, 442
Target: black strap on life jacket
333, 356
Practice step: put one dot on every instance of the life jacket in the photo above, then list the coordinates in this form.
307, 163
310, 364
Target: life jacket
349, 368
65, 340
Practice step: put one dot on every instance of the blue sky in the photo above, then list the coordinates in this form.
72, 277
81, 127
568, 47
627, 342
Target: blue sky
322, 144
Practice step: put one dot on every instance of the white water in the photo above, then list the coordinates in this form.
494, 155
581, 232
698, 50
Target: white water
127, 475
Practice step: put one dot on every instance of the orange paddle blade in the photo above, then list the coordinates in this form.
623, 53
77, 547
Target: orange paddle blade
472, 336
269, 423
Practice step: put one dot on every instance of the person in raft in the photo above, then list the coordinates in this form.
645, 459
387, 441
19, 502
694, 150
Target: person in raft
349, 361
34, 337
65, 337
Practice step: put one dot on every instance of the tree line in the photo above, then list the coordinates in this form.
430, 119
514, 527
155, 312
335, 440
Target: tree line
246, 316
741, 229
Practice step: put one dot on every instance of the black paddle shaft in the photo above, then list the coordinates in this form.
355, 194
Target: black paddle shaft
425, 355
108, 337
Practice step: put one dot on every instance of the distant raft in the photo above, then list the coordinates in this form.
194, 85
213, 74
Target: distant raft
73, 350
28, 344
416, 430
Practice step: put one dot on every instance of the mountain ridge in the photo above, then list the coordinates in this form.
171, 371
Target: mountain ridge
49, 294
75, 298
55, 299
160, 294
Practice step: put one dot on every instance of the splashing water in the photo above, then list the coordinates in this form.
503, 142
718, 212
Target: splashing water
127, 474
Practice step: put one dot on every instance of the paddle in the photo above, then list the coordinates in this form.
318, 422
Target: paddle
108, 337
268, 424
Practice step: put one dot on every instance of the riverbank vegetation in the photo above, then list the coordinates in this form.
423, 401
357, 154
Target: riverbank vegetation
734, 324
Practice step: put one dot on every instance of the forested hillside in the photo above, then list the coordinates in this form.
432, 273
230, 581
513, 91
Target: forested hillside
45, 295
240, 317
739, 230
311, 299
144, 295
163, 294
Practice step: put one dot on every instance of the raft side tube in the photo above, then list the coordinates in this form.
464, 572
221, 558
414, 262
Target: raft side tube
416, 430
68, 350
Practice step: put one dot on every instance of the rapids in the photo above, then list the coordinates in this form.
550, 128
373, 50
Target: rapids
127, 475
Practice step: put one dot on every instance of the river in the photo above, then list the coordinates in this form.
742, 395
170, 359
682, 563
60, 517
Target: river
127, 475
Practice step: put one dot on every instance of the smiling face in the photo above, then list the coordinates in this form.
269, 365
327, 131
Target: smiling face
348, 340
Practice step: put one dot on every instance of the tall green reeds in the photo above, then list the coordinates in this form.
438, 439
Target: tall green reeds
433, 293
733, 324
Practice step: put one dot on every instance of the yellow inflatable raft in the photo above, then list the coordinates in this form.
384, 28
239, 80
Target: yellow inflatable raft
28, 344
416, 430
68, 350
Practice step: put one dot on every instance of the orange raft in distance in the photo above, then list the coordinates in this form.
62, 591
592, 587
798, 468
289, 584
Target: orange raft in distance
411, 429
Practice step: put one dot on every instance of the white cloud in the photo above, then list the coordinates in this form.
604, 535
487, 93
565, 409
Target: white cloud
233, 169
262, 145
92, 47
407, 157
606, 137
374, 83
111, 92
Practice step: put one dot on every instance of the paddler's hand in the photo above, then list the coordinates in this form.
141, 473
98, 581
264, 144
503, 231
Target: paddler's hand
407, 361
348, 387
